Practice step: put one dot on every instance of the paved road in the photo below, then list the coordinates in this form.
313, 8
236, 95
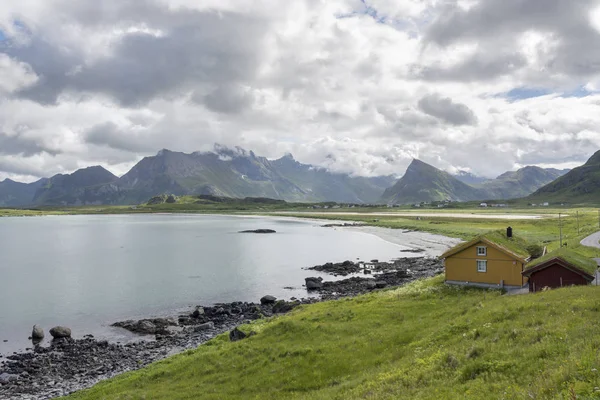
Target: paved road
593, 241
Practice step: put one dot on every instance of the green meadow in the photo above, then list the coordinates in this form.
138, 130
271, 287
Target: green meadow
422, 341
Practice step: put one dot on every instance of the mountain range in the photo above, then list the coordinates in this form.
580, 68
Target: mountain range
424, 183
223, 172
237, 173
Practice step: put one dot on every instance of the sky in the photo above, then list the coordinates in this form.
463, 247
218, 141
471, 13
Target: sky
356, 86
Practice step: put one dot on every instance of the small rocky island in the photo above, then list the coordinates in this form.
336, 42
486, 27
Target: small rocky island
259, 231
67, 365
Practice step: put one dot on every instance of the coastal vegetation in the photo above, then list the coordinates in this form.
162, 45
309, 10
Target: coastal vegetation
422, 341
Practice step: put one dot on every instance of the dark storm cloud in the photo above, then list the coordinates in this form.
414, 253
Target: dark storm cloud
22, 146
447, 110
479, 67
191, 48
495, 25
226, 99
109, 135
15, 167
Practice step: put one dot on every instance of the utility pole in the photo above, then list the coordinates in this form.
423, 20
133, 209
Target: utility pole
560, 229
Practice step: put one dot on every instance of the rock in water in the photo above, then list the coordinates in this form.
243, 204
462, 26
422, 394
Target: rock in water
268, 299
259, 231
313, 283
146, 327
37, 334
236, 335
59, 332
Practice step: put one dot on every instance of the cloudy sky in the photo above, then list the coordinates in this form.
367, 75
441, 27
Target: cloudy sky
356, 86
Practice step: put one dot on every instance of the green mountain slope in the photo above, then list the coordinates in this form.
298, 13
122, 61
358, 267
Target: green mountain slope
77, 188
230, 173
520, 183
423, 182
580, 185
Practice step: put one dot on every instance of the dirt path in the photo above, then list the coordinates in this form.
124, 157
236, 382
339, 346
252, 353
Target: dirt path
593, 241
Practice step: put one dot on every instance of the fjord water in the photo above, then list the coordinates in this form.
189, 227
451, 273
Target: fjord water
87, 272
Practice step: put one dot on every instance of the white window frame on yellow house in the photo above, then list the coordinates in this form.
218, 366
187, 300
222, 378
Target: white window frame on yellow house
484, 263
484, 253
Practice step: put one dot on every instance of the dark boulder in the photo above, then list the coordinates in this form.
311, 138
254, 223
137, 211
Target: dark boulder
282, 307
268, 299
60, 332
37, 333
313, 283
148, 326
236, 335
380, 284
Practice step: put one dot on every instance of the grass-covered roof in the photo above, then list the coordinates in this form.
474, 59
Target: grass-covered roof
577, 260
515, 244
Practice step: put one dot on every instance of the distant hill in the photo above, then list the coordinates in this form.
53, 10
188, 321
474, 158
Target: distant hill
423, 182
580, 185
224, 172
76, 188
16, 194
520, 183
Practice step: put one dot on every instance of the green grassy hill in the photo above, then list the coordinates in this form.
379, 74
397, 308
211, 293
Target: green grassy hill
520, 183
422, 341
423, 182
581, 185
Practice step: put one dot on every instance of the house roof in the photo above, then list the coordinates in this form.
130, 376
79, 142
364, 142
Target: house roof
514, 246
572, 258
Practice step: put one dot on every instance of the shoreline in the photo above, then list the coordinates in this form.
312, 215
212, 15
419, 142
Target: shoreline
82, 363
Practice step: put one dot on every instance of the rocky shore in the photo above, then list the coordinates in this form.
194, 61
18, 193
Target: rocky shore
68, 365
376, 275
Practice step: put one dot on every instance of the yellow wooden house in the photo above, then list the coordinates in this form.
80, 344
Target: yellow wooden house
495, 259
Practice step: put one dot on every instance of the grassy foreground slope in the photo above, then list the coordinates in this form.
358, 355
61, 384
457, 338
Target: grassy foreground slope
422, 341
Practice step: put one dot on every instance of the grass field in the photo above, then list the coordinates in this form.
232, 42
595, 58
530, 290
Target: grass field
422, 341
576, 224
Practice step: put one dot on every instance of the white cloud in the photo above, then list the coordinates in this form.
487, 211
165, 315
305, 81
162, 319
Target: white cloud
352, 86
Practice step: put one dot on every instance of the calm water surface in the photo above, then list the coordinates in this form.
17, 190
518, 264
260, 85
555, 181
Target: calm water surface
87, 272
